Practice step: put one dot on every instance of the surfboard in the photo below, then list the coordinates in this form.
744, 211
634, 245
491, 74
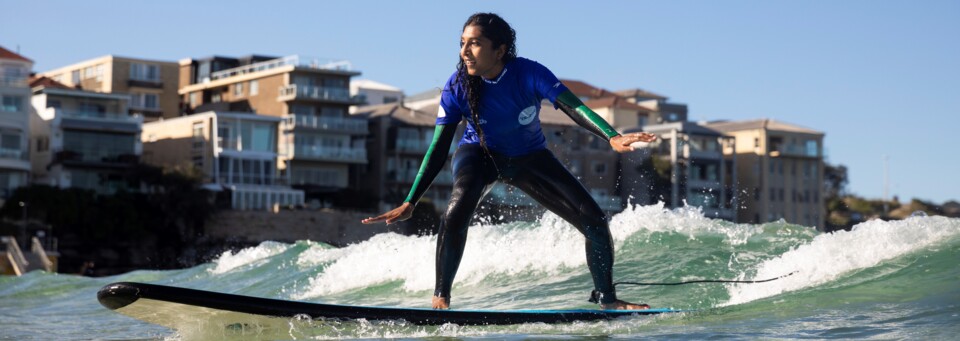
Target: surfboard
176, 307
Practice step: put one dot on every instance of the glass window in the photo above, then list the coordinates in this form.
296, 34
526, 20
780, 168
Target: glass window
238, 90
812, 148
144, 72
254, 88
262, 138
10, 141
12, 104
300, 109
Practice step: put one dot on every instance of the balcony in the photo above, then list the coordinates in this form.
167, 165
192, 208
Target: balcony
445, 177
100, 116
353, 126
336, 154
608, 202
317, 93
295, 60
794, 151
97, 156
13, 81
14, 154
411, 145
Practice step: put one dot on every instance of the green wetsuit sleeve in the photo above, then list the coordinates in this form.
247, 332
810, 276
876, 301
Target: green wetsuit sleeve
571, 105
433, 161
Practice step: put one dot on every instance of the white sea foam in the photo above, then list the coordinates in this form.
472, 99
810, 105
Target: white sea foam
229, 260
548, 246
830, 256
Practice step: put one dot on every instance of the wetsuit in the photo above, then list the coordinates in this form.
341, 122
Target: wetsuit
515, 153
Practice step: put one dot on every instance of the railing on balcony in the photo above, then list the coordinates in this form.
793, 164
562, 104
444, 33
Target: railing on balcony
16, 154
794, 150
292, 91
295, 60
412, 145
251, 179
107, 155
608, 202
13, 81
331, 153
445, 177
100, 116
351, 125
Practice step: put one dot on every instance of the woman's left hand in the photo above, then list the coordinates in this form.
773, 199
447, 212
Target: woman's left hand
621, 143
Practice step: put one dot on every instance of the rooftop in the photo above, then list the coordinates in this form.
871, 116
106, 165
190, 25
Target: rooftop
764, 123
7, 54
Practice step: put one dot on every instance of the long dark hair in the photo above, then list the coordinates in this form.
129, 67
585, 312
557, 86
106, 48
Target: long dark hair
499, 32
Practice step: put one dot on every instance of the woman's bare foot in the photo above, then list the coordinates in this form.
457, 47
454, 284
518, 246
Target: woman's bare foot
621, 305
441, 302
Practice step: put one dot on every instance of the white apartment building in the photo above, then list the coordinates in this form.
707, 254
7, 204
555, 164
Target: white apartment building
14, 122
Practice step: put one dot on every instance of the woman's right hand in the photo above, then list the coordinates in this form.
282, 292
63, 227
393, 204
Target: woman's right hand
404, 212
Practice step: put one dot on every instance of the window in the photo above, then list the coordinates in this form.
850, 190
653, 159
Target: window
198, 137
193, 100
238, 90
95, 72
812, 148
389, 99
43, 144
333, 111
254, 88
75, 76
300, 109
599, 168
145, 72
12, 104
10, 141
143, 100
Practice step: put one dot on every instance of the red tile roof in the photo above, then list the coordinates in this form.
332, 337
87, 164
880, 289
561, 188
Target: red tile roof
582, 89
7, 54
46, 82
614, 102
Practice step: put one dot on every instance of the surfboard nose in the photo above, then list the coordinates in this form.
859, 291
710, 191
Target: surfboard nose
117, 295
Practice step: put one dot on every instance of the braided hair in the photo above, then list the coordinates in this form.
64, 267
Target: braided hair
496, 29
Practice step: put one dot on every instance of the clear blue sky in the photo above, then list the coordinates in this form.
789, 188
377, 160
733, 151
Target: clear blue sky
878, 77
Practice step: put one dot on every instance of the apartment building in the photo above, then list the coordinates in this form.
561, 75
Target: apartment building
586, 156
150, 84
399, 139
779, 170
661, 110
619, 111
685, 167
374, 93
83, 139
235, 152
319, 142
14, 122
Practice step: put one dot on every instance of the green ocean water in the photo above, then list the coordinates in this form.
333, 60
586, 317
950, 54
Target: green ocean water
883, 280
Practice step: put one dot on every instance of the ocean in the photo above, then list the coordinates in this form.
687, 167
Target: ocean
882, 280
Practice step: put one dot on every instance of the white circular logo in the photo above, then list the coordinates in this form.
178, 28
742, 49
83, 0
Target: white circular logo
527, 115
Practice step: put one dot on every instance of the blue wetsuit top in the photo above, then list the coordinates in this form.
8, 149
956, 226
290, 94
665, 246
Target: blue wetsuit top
509, 107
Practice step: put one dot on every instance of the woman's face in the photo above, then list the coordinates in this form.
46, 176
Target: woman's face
479, 55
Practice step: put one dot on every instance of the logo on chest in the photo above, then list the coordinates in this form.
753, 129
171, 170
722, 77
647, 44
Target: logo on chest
527, 115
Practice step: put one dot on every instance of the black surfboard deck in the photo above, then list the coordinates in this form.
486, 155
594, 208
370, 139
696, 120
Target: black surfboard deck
174, 306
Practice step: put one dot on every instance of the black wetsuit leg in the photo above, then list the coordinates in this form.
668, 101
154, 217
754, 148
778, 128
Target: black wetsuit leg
547, 181
474, 173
